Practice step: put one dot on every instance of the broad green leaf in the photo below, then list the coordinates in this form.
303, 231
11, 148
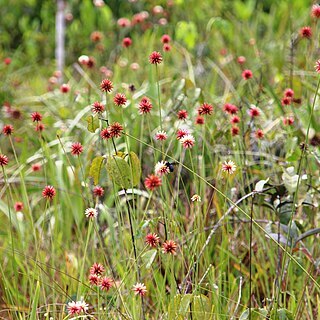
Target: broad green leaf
93, 123
95, 169
135, 167
201, 308
148, 257
185, 303
282, 314
119, 171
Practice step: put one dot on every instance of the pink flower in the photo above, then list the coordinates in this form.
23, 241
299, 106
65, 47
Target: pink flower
317, 66
97, 107
259, 134
161, 135
3, 160
235, 119
169, 247
76, 149
36, 116
106, 85
39, 127
254, 111
18, 206
145, 106
288, 93
229, 167
36, 167
65, 88
305, 32
155, 57
199, 120
73, 308
49, 192
241, 60
106, 283
94, 279
181, 133
7, 61
230, 108
91, 213
152, 240
288, 121
126, 42
234, 130
96, 36
182, 114
98, 191
161, 168
205, 109
123, 22
119, 99
7, 130
286, 101
165, 38
315, 11
105, 134
247, 74
139, 289
115, 129
166, 47
97, 269
152, 182
187, 141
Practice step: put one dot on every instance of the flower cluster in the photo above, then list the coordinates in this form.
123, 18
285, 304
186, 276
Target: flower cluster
77, 307
113, 131
96, 277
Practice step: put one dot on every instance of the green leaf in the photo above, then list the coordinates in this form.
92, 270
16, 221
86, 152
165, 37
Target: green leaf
282, 314
35, 298
95, 169
185, 303
187, 32
93, 123
119, 171
135, 167
201, 308
256, 314
148, 257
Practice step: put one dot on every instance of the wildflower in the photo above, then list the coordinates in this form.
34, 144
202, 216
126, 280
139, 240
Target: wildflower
145, 106
235, 130
259, 134
204, 109
119, 99
288, 121
181, 133
317, 66
161, 168
182, 114
106, 85
169, 247
7, 61
152, 240
98, 191
115, 129
16, 114
134, 66
105, 134
96, 36
83, 306
166, 47
91, 62
288, 93
315, 11
18, 206
7, 130
230, 108
126, 42
36, 116
187, 141
254, 111
286, 101
123, 22
199, 120
165, 38
247, 74
49, 192
91, 213
73, 308
196, 198
65, 88
161, 135
97, 107
97, 269
94, 279
106, 283
152, 182
3, 160
229, 167
83, 59
305, 32
36, 167
76, 149
139, 289
39, 127
235, 119
241, 60
155, 57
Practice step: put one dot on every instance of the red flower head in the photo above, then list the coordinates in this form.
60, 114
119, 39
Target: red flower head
49, 192
18, 206
115, 130
96, 36
36, 116
165, 38
39, 127
152, 182
241, 60
36, 167
73, 308
139, 289
305, 32
98, 191
169, 247
286, 101
204, 109
106, 283
315, 11
230, 108
181, 133
7, 61
106, 85
155, 57
187, 141
145, 106
235, 119
123, 22
120, 99
254, 112
182, 114
126, 42
288, 93
317, 66
3, 160
105, 134
97, 269
76, 149
234, 131
65, 88
94, 279
97, 107
259, 134
288, 121
91, 62
161, 135
7, 130
152, 240
199, 120
247, 74
166, 47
